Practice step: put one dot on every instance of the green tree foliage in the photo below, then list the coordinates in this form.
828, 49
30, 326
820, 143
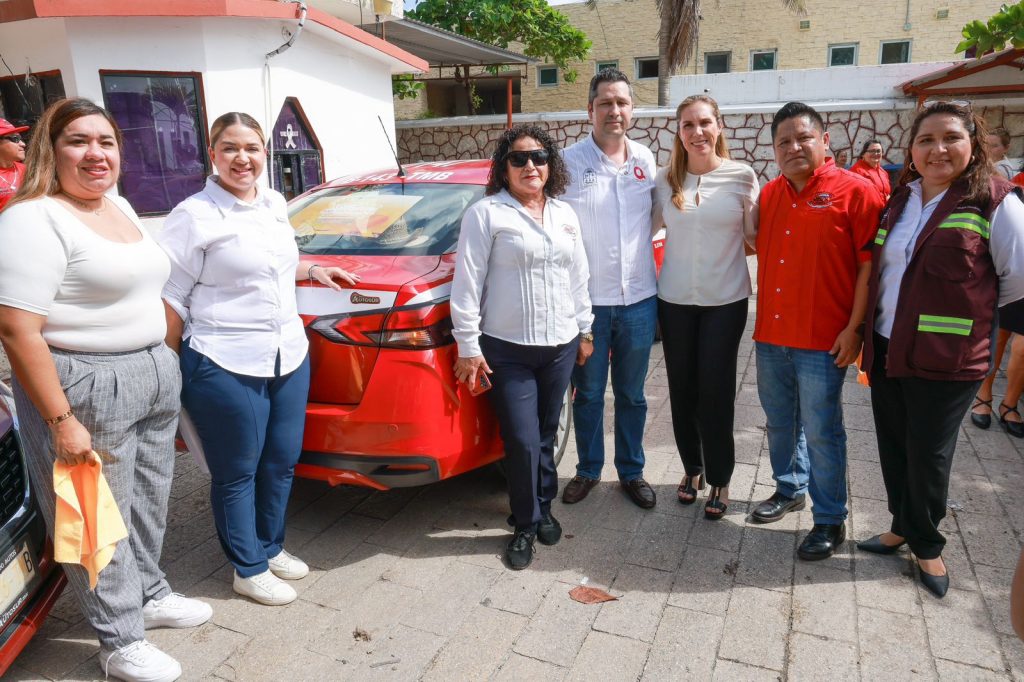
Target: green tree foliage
405, 86
1005, 26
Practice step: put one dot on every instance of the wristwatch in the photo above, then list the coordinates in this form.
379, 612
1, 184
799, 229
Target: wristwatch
587, 336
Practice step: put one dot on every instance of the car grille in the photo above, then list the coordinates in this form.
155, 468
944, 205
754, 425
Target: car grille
12, 478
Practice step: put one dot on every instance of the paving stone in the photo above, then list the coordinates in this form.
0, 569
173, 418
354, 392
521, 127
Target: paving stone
518, 668
748, 446
731, 671
684, 647
445, 604
704, 580
975, 494
722, 534
195, 565
755, 627
893, 646
597, 553
995, 589
359, 624
205, 648
659, 542
558, 629
886, 582
959, 629
989, 540
824, 602
866, 479
342, 585
335, 542
958, 564
1013, 651
385, 504
642, 593
613, 657
821, 658
51, 655
414, 522
767, 557
402, 654
955, 672
479, 646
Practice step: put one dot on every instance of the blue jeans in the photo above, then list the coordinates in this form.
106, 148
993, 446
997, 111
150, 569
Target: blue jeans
801, 393
622, 338
251, 428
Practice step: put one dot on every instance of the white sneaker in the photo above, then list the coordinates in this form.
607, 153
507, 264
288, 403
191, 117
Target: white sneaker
175, 611
139, 662
288, 567
266, 588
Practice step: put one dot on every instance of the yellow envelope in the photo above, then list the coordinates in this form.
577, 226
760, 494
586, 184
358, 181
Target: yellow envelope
88, 524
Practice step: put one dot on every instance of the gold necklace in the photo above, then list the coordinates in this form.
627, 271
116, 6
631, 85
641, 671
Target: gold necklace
86, 207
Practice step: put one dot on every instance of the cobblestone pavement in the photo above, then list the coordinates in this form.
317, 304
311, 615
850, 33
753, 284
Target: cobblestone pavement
409, 584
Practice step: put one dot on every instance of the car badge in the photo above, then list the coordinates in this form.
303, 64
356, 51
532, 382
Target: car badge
358, 298
820, 200
589, 177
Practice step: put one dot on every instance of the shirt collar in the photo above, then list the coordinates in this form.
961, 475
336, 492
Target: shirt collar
604, 157
226, 201
915, 191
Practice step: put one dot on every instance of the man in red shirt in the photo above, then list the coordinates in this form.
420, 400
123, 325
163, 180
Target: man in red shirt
12, 157
815, 225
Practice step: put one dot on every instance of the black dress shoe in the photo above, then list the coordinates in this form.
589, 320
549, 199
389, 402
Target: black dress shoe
936, 584
640, 492
982, 421
876, 546
1015, 429
520, 550
578, 488
777, 506
549, 530
822, 541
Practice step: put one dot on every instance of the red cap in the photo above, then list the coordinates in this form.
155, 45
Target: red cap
7, 128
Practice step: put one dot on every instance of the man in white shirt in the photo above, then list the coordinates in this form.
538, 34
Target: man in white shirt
612, 193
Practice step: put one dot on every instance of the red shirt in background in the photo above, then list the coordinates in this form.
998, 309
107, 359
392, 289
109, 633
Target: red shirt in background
10, 179
809, 245
1018, 179
876, 176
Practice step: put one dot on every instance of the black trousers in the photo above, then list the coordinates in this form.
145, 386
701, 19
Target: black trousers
701, 343
529, 384
916, 423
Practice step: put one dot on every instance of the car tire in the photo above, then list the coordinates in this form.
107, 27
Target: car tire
564, 432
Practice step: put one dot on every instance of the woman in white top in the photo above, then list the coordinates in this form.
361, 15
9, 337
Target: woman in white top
521, 314
709, 206
82, 324
230, 304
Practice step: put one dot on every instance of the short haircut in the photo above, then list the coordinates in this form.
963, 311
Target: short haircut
1003, 134
796, 110
607, 76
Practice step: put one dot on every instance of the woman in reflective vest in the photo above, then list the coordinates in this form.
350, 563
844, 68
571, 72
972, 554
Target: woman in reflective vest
950, 247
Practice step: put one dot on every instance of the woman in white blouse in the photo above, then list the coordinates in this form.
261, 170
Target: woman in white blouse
230, 305
82, 324
709, 206
521, 314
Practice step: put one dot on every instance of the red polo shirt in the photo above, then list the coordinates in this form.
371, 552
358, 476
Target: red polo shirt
808, 248
877, 176
10, 179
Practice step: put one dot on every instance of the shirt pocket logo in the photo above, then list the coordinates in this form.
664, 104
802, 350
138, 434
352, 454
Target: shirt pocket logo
821, 200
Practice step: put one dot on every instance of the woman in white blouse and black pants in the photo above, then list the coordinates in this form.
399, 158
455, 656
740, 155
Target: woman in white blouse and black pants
521, 314
709, 206
231, 306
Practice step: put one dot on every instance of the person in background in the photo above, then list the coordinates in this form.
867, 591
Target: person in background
842, 158
869, 165
230, 307
611, 190
82, 324
1011, 327
815, 220
12, 160
998, 143
709, 206
950, 247
521, 315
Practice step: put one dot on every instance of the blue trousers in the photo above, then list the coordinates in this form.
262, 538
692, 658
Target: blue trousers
622, 339
251, 429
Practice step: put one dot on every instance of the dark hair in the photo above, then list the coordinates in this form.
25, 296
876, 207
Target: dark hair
607, 76
978, 171
1003, 134
558, 173
796, 110
864, 149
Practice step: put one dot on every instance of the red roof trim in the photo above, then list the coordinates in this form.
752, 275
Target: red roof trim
20, 10
926, 84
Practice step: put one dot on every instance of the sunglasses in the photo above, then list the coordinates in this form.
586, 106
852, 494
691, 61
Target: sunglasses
519, 159
16, 139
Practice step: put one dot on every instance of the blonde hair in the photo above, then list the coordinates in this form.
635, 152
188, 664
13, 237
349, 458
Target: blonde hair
40, 159
225, 121
677, 162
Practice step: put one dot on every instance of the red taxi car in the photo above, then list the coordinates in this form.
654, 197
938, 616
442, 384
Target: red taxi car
384, 408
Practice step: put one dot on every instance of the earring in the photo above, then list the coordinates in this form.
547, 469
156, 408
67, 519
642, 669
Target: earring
912, 167
972, 160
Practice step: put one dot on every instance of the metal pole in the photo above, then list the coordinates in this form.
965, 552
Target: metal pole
508, 97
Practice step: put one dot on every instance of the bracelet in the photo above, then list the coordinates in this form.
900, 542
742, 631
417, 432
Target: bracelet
309, 273
53, 421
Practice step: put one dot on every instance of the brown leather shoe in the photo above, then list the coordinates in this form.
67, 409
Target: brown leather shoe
578, 488
640, 492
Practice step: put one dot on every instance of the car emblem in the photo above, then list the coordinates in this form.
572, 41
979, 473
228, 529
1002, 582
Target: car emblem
359, 298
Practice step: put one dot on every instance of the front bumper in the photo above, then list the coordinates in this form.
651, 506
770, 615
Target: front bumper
380, 473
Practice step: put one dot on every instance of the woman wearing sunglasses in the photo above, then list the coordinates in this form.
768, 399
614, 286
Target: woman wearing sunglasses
949, 248
521, 314
869, 166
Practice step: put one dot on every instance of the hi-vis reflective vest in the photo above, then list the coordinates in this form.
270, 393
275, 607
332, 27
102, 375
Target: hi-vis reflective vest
943, 326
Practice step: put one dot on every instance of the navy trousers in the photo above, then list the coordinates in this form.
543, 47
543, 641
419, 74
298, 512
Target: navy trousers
529, 384
251, 429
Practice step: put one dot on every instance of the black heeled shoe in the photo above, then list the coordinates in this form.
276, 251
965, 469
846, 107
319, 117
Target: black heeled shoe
1015, 429
876, 546
936, 584
714, 508
982, 421
686, 487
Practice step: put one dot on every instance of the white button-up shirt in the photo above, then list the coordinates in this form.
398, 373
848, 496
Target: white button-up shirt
518, 280
232, 279
614, 207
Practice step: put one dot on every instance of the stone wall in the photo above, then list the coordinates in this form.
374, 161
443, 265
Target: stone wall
749, 134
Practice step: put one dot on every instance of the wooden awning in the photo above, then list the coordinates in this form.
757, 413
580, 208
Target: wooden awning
1000, 73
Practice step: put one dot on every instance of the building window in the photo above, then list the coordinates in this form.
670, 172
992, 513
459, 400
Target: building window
601, 66
646, 67
23, 98
842, 55
717, 62
164, 156
894, 52
547, 76
762, 60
